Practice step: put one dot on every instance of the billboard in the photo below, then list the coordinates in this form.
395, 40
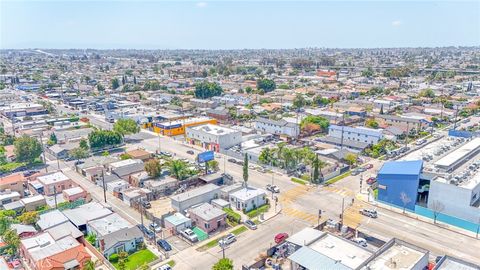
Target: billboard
205, 156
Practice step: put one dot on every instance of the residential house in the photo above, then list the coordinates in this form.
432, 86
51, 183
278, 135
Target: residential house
8, 196
248, 198
125, 168
206, 193
139, 154
277, 127
14, 182
75, 193
55, 182
207, 217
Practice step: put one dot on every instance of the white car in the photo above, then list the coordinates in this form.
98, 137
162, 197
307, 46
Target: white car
227, 240
190, 235
165, 267
155, 227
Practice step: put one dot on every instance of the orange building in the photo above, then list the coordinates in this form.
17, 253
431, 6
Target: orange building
177, 127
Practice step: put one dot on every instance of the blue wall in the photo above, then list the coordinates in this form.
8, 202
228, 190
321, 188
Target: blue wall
395, 184
464, 224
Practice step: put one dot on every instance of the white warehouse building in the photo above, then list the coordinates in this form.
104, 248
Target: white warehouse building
213, 137
357, 134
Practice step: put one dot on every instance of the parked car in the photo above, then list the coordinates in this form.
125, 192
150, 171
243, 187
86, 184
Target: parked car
228, 239
165, 267
164, 244
30, 173
190, 235
360, 241
280, 237
190, 152
368, 166
154, 226
164, 153
361, 169
150, 234
272, 188
371, 180
146, 204
232, 160
250, 224
355, 172
369, 213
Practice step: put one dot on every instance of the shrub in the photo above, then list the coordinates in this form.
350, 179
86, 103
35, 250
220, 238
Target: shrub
113, 258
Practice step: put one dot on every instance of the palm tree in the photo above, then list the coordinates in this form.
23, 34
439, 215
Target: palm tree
177, 168
89, 265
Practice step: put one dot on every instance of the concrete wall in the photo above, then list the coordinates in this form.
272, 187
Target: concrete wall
455, 200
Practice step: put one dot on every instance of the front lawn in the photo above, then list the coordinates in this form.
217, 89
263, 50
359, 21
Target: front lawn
255, 212
137, 259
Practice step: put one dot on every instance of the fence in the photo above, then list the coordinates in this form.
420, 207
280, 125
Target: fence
97, 254
451, 220
63, 206
333, 174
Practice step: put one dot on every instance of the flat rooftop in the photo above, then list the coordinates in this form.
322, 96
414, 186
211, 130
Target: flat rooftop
214, 129
53, 178
109, 224
183, 121
195, 192
125, 162
245, 194
343, 251
451, 263
397, 256
459, 154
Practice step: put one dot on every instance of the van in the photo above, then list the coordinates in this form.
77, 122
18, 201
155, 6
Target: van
360, 241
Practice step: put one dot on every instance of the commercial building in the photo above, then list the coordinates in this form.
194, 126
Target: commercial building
452, 263
277, 127
399, 182
397, 254
206, 193
178, 127
454, 159
8, 196
213, 137
356, 134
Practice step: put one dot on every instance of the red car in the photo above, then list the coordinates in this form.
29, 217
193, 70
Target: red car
280, 237
368, 166
371, 180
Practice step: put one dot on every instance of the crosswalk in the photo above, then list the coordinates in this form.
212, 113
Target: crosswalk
295, 213
352, 216
345, 192
291, 195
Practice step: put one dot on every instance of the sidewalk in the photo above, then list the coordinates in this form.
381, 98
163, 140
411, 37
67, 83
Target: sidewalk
364, 198
271, 213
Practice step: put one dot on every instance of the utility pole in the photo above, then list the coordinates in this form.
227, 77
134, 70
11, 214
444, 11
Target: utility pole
43, 152
319, 216
343, 208
455, 120
55, 196
159, 144
273, 176
104, 188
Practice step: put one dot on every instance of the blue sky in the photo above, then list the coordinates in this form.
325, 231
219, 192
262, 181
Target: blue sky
236, 25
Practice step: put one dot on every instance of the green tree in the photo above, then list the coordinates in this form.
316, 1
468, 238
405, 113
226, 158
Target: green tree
27, 149
351, 159
11, 238
428, 92
316, 170
213, 164
178, 168
115, 83
299, 101
248, 90
89, 265
245, 169
319, 121
267, 156
153, 167
29, 217
368, 72
53, 139
78, 153
126, 126
100, 87
105, 153
207, 89
371, 123
266, 85
84, 144
102, 138
223, 264
92, 239
122, 258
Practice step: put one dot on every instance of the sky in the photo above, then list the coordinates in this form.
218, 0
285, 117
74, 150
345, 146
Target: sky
237, 25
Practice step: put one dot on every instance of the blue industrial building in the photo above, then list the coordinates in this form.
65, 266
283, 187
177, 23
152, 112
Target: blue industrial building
397, 177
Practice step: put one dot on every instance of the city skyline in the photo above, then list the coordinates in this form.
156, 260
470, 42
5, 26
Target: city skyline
237, 25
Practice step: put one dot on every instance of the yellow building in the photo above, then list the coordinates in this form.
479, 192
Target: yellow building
177, 127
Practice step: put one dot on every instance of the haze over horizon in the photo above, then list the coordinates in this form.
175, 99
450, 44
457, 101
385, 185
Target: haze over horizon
237, 25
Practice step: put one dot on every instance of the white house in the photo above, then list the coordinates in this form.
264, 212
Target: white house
357, 134
277, 127
248, 198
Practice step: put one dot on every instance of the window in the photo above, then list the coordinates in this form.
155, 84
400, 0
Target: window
207, 226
